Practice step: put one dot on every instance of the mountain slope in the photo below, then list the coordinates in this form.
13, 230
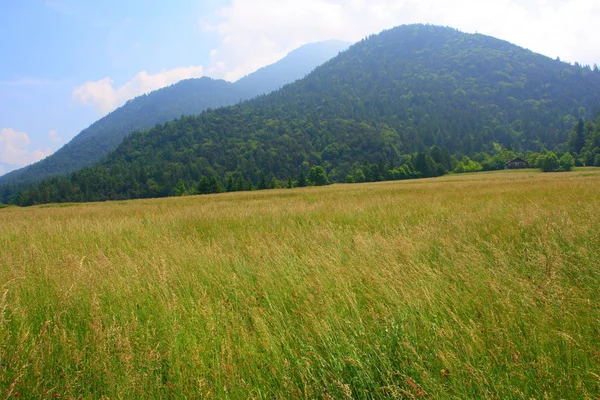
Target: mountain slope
295, 65
388, 96
189, 97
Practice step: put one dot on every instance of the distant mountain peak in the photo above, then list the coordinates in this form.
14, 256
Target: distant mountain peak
297, 64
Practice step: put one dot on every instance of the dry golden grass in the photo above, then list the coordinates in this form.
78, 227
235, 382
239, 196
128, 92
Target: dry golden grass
471, 286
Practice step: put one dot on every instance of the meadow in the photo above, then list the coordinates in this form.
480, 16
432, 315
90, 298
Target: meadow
473, 286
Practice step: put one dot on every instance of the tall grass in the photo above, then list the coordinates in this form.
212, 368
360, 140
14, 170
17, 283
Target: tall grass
475, 286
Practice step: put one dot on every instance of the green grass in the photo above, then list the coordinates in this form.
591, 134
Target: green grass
474, 286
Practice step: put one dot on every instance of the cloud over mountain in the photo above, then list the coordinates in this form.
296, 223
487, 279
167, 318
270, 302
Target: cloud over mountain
260, 32
15, 152
105, 97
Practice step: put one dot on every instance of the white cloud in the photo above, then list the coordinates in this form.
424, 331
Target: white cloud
104, 97
14, 149
256, 33
53, 134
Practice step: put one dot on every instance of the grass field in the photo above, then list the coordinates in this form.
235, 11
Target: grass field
471, 286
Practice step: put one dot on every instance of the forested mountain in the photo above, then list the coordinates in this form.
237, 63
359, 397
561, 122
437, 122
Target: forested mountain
188, 97
376, 109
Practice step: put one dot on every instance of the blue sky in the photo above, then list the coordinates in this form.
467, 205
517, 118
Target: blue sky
49, 48
66, 63
77, 40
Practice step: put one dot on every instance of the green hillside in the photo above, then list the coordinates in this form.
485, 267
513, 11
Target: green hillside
188, 97
385, 99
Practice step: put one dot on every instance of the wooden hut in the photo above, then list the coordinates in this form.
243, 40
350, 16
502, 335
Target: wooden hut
517, 163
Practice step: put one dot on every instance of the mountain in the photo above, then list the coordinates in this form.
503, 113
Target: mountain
295, 65
188, 97
373, 112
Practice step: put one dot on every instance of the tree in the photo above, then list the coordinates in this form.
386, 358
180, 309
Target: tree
215, 185
442, 157
317, 176
230, 184
301, 180
566, 163
580, 136
204, 185
597, 161
533, 159
239, 184
274, 183
208, 185
576, 139
262, 182
425, 165
180, 189
468, 165
359, 176
549, 162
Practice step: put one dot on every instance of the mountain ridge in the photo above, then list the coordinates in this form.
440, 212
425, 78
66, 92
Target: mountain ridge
304, 58
186, 97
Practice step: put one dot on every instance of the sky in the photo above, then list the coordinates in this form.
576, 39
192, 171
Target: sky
66, 63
